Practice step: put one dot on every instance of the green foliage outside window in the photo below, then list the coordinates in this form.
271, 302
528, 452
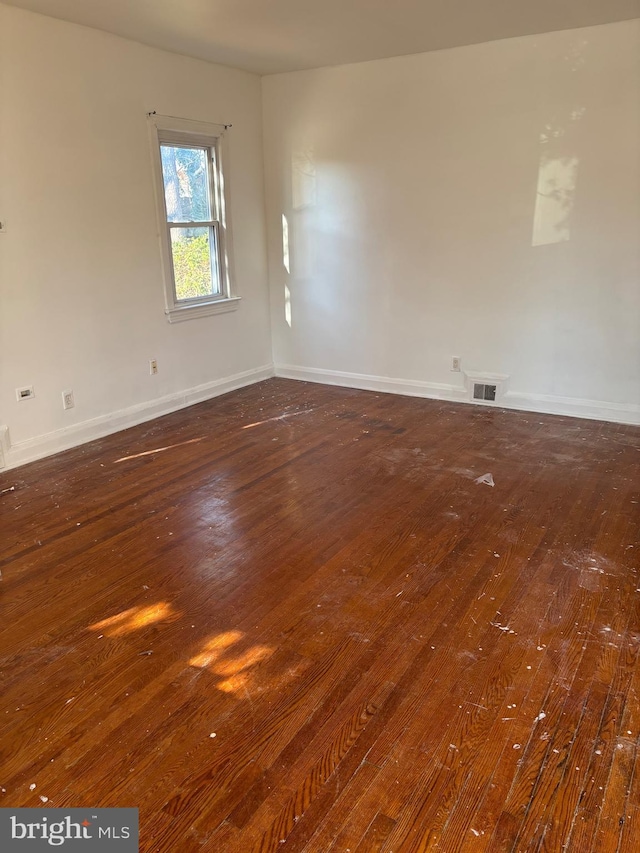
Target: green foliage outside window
192, 266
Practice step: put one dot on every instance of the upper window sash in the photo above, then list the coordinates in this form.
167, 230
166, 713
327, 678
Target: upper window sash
204, 188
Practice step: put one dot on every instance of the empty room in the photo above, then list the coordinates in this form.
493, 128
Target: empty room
320, 426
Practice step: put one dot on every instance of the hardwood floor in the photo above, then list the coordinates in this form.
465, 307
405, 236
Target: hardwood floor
291, 619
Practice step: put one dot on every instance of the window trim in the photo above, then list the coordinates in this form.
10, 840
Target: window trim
166, 129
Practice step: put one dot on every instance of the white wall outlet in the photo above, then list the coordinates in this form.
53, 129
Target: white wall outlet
455, 364
67, 400
153, 366
25, 393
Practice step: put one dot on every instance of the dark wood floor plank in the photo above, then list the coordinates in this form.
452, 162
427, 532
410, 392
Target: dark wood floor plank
470, 725
615, 663
565, 765
376, 834
469, 649
291, 619
344, 824
614, 809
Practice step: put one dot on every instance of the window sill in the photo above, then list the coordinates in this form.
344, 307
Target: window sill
204, 309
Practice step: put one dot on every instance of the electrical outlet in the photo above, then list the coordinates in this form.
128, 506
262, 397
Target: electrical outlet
455, 364
67, 400
153, 366
26, 393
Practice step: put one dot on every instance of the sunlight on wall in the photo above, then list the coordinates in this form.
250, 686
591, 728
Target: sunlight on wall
134, 619
285, 244
559, 141
557, 178
287, 305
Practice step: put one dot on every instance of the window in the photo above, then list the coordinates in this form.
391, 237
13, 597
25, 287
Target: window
192, 203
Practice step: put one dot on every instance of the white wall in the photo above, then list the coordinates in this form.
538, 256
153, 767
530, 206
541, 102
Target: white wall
81, 298
417, 231
481, 202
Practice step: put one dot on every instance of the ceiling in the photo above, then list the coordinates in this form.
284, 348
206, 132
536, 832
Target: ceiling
269, 36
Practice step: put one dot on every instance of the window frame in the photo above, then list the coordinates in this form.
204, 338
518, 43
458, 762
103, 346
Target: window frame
166, 130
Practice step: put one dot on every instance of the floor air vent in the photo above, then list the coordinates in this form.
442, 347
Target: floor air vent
487, 388
484, 392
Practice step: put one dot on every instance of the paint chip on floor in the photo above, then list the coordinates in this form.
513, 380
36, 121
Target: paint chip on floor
485, 478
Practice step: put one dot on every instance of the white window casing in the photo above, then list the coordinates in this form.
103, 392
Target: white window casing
213, 140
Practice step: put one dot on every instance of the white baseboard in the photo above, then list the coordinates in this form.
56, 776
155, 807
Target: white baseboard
13, 455
4, 446
44, 445
575, 407
406, 387
623, 413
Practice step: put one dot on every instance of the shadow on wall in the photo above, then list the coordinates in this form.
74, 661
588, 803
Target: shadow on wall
303, 197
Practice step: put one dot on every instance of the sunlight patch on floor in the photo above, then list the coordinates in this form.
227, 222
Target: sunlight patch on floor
214, 648
134, 619
157, 450
234, 670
